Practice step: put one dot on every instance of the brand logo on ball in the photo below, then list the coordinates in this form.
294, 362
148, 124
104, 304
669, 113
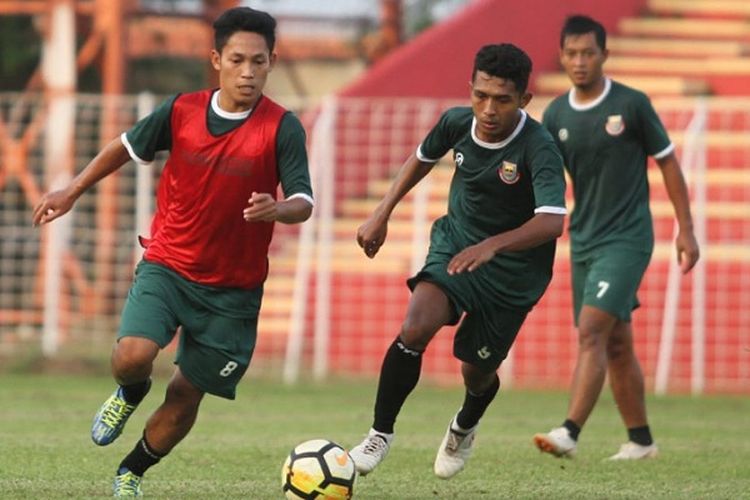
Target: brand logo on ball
509, 173
563, 134
615, 125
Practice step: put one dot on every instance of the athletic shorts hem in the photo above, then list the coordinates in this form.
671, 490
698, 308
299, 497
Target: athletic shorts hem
427, 277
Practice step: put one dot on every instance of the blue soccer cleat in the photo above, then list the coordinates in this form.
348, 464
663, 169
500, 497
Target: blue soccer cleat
111, 418
127, 485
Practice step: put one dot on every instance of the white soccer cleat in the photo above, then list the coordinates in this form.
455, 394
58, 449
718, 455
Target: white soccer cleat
454, 451
635, 451
370, 452
556, 442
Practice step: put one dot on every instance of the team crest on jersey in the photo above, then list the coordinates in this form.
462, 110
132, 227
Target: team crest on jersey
563, 134
615, 125
509, 173
459, 159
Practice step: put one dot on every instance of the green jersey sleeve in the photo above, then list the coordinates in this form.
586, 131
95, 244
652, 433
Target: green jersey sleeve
444, 134
291, 154
548, 179
653, 134
151, 134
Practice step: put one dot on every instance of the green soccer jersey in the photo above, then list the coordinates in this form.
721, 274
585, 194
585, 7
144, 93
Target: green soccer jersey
497, 187
153, 133
605, 146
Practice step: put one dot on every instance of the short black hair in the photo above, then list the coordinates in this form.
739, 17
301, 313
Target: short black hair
244, 19
580, 25
504, 60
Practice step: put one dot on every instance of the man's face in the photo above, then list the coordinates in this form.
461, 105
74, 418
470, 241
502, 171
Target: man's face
495, 102
243, 66
582, 59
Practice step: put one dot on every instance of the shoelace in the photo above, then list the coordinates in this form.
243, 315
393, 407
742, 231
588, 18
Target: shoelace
128, 484
454, 441
375, 444
116, 409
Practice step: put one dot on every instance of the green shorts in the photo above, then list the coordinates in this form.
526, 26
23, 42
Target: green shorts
219, 325
486, 332
608, 278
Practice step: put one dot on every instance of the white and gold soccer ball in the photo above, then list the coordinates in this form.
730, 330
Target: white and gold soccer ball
318, 470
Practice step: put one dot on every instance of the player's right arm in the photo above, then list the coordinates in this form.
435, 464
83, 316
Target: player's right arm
57, 203
371, 235
140, 143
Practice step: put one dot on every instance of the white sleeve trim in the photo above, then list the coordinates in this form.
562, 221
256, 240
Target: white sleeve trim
664, 152
551, 210
421, 157
304, 196
131, 152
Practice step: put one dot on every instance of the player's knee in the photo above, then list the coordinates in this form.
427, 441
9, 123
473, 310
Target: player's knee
132, 359
415, 335
618, 349
592, 337
476, 380
183, 394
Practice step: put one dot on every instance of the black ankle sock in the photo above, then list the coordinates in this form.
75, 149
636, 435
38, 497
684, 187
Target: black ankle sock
398, 377
641, 435
141, 458
573, 429
134, 393
475, 405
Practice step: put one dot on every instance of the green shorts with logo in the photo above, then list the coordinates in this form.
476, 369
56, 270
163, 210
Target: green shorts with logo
218, 325
487, 331
608, 278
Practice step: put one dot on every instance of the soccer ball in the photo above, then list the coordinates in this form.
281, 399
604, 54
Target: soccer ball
318, 469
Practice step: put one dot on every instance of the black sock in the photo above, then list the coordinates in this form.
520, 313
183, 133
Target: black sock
573, 429
141, 458
398, 377
641, 435
134, 393
475, 405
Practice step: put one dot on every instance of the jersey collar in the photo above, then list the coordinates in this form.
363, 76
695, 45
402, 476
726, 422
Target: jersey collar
504, 142
239, 115
592, 104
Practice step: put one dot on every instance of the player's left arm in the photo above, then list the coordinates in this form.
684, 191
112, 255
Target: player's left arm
656, 142
541, 228
263, 207
686, 244
294, 175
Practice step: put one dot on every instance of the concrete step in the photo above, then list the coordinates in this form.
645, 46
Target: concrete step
558, 83
684, 67
700, 29
724, 8
670, 47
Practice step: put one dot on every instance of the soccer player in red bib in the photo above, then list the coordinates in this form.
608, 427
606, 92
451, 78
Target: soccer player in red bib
206, 260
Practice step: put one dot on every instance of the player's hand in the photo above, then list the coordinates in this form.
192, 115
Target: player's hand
261, 207
687, 250
52, 205
371, 235
470, 258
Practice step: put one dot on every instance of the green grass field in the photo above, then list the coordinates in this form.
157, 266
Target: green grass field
236, 448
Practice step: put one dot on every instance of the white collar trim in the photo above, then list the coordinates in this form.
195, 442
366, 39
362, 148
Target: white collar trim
504, 142
592, 104
238, 115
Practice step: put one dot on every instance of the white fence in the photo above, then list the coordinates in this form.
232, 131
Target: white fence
330, 310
